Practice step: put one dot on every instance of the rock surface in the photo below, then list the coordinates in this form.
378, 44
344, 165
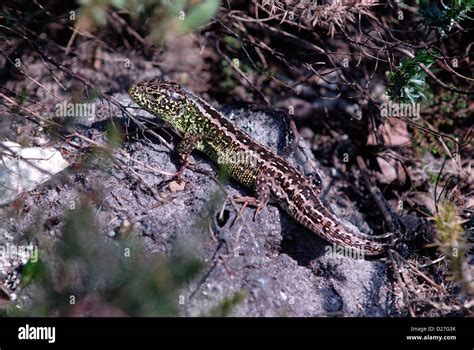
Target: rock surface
280, 268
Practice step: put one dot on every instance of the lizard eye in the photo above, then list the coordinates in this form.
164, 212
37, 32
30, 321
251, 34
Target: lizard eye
176, 96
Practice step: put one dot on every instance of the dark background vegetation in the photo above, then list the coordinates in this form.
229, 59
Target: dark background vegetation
330, 66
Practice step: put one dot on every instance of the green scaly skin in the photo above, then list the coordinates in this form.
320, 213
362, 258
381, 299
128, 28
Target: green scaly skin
270, 176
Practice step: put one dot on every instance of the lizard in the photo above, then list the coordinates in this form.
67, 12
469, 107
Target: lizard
272, 178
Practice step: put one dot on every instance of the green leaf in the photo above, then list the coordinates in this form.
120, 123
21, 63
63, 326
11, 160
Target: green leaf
445, 17
198, 15
33, 270
118, 3
407, 82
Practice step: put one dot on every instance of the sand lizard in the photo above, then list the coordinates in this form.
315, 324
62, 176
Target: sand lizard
269, 175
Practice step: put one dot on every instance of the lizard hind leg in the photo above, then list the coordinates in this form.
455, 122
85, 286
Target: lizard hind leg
264, 187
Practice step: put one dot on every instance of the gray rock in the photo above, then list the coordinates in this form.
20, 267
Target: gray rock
280, 267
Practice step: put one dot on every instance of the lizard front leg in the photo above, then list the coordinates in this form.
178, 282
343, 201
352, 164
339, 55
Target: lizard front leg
184, 148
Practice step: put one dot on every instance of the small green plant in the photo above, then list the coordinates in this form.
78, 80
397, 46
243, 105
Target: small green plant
229, 82
407, 82
444, 17
433, 177
441, 111
158, 16
451, 242
197, 14
23, 96
227, 305
86, 270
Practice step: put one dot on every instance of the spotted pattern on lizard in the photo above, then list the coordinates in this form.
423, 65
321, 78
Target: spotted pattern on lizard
271, 176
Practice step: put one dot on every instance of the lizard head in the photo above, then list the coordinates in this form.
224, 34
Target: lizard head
165, 99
